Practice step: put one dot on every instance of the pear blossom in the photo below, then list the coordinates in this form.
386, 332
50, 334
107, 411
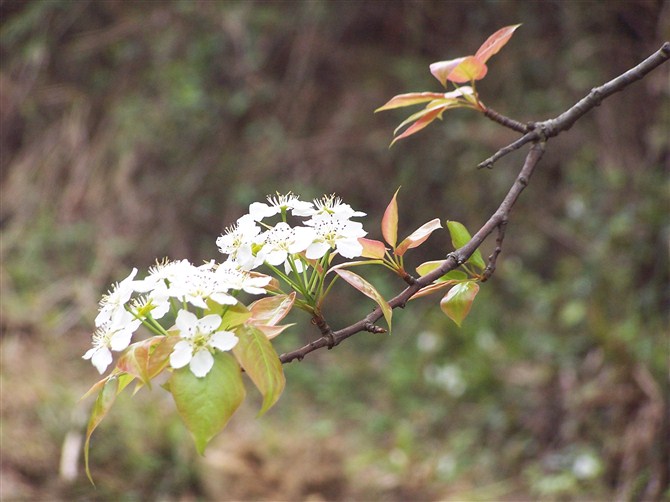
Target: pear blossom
330, 205
199, 285
115, 300
115, 335
278, 204
282, 240
199, 338
233, 276
237, 242
333, 232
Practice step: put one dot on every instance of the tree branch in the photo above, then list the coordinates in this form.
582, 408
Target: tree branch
540, 133
553, 127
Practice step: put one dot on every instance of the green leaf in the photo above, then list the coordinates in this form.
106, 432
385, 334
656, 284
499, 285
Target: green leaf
372, 248
368, 290
206, 404
234, 315
460, 237
418, 237
390, 221
458, 301
409, 99
102, 405
256, 355
495, 42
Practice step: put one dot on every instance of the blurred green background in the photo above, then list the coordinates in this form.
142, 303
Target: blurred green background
131, 131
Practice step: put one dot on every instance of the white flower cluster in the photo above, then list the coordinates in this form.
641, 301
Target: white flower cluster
327, 226
173, 283
176, 285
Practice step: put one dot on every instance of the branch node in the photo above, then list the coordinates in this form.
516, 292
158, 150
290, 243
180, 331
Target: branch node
453, 255
373, 328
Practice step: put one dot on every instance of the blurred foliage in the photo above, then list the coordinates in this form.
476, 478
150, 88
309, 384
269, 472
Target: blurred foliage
136, 130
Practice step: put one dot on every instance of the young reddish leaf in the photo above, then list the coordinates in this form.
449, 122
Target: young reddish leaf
102, 405
495, 42
270, 310
420, 124
458, 301
368, 290
432, 288
418, 237
460, 237
390, 221
442, 69
273, 331
256, 355
206, 404
409, 99
429, 266
372, 249
439, 105
470, 68
144, 360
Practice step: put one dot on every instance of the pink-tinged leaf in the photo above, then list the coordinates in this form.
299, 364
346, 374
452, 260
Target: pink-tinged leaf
368, 290
102, 405
432, 288
409, 99
146, 359
418, 237
429, 266
372, 249
234, 315
269, 311
256, 355
273, 331
206, 404
470, 68
390, 221
442, 69
495, 42
420, 124
439, 105
458, 301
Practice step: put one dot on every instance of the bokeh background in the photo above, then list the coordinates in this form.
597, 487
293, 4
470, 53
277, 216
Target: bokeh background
131, 131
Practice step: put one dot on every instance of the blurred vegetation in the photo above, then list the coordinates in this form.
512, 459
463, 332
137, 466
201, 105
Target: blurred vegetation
136, 130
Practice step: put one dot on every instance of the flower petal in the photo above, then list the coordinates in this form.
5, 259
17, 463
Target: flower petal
181, 355
201, 363
223, 340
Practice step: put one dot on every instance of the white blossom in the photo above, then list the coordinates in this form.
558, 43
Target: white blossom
277, 204
115, 335
333, 232
199, 338
238, 240
330, 205
282, 240
115, 300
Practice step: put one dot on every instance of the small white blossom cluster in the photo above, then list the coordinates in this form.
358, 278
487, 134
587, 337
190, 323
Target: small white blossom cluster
173, 285
326, 226
179, 286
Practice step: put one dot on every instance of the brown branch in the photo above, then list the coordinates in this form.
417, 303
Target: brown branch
553, 127
501, 119
539, 134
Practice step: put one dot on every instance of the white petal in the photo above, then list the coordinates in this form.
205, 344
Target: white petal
303, 237
259, 210
276, 257
224, 298
317, 250
120, 340
196, 301
101, 359
209, 323
181, 355
201, 363
349, 248
186, 323
223, 340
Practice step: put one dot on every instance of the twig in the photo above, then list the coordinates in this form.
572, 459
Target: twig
553, 127
538, 136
